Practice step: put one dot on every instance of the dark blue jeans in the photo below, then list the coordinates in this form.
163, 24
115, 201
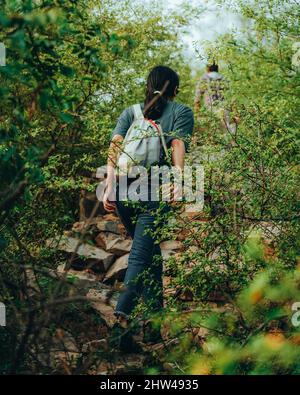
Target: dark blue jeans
144, 273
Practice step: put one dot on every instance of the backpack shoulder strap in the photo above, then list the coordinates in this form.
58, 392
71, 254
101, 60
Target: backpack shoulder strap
163, 141
137, 111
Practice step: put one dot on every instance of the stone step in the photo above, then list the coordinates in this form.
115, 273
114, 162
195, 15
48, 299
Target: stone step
94, 257
103, 305
105, 223
117, 270
113, 243
174, 245
83, 278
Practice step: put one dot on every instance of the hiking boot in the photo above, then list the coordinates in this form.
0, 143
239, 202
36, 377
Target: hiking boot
122, 339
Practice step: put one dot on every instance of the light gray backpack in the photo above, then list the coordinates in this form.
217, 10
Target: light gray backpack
142, 144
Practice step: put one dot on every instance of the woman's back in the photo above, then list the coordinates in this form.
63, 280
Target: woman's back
143, 217
177, 121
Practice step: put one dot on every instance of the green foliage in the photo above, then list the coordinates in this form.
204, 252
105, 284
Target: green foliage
71, 68
242, 257
268, 343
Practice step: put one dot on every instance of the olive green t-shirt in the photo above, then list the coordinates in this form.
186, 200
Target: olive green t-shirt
177, 122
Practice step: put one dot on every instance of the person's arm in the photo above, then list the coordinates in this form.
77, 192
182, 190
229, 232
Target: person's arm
178, 153
118, 134
183, 128
113, 153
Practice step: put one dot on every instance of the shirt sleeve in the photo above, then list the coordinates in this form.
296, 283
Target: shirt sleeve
124, 122
183, 126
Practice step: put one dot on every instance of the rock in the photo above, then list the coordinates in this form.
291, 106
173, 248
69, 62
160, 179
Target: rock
111, 217
105, 239
93, 256
117, 269
78, 226
194, 209
100, 303
166, 254
171, 245
95, 345
83, 278
106, 223
103, 293
110, 226
113, 243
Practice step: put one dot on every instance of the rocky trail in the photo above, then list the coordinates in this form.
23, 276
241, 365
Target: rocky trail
96, 251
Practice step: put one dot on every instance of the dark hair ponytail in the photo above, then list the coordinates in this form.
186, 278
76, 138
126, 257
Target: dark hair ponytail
161, 84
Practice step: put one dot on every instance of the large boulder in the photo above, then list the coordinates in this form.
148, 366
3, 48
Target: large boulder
113, 243
86, 254
80, 278
111, 223
100, 303
104, 223
117, 269
167, 253
171, 245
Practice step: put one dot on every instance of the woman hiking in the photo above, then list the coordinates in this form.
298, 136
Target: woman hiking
173, 123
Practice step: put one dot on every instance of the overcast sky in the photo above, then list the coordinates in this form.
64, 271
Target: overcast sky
212, 22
